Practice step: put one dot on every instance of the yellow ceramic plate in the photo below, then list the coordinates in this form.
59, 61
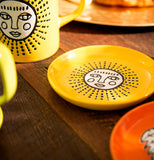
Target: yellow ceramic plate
114, 16
1, 117
103, 77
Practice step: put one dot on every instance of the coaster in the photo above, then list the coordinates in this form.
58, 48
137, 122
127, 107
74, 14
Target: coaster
133, 136
102, 77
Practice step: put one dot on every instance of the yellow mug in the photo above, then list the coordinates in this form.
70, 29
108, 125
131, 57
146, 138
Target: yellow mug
8, 76
30, 28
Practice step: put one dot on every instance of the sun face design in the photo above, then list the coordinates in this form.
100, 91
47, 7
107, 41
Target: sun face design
23, 24
18, 19
104, 80
148, 137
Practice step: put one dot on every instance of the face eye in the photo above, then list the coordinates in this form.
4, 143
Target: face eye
5, 15
24, 16
113, 78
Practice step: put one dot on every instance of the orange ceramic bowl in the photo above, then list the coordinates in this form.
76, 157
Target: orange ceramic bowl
133, 136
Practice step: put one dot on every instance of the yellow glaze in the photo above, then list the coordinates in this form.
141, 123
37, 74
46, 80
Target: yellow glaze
102, 77
1, 117
8, 76
33, 35
66, 19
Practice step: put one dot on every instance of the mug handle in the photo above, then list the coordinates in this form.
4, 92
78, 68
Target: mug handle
8, 74
66, 19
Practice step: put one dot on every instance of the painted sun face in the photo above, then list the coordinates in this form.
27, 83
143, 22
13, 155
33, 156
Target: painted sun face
148, 137
103, 79
17, 19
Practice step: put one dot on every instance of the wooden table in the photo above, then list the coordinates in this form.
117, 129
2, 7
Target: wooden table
40, 125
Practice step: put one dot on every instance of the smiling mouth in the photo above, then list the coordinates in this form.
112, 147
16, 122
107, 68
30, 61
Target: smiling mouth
99, 85
15, 34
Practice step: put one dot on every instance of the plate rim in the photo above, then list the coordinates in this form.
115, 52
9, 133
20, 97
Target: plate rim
1, 116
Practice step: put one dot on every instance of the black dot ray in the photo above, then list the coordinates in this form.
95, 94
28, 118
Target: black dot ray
31, 43
77, 80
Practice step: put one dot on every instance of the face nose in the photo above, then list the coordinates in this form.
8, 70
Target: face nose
100, 82
14, 22
101, 79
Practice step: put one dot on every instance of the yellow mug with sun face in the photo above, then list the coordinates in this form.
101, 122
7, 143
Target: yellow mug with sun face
8, 77
30, 28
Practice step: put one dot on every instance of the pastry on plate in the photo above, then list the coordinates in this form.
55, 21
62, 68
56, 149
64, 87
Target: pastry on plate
127, 3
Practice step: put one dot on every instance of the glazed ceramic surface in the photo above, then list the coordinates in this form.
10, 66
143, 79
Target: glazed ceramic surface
8, 77
30, 28
1, 117
133, 136
102, 77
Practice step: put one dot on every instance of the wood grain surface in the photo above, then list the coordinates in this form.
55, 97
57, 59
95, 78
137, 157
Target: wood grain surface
39, 124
